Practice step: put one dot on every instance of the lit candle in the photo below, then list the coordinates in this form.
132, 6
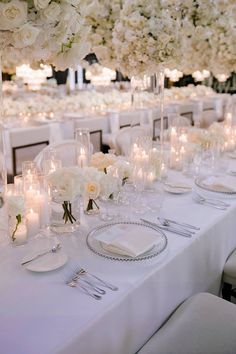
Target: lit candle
183, 138
41, 202
228, 119
20, 235
150, 177
173, 136
82, 158
32, 223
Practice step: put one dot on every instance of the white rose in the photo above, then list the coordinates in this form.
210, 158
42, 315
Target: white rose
51, 13
25, 36
15, 205
92, 189
12, 14
41, 4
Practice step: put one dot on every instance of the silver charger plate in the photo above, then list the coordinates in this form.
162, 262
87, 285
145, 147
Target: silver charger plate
201, 183
96, 247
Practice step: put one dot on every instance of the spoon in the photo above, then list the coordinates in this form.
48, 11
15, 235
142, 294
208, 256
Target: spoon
74, 284
165, 222
54, 249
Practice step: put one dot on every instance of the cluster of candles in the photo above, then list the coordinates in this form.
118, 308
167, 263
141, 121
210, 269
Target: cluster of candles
178, 150
147, 162
229, 133
30, 186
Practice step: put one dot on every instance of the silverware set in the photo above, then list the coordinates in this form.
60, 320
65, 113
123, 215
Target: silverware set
178, 228
212, 202
90, 284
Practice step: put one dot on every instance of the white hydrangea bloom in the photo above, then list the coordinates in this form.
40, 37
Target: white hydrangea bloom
41, 30
145, 37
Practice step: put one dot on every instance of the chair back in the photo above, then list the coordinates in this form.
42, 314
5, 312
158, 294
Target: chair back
126, 136
65, 151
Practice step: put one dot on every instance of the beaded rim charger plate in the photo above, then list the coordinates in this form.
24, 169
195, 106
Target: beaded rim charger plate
96, 246
203, 182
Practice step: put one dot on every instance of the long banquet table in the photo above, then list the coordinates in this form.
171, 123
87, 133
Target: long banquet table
39, 314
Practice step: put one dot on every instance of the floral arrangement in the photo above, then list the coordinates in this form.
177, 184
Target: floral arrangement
145, 37
91, 187
102, 161
208, 36
16, 209
51, 31
101, 16
121, 169
66, 184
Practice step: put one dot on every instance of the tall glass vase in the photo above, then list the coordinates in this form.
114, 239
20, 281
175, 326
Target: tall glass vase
3, 171
158, 82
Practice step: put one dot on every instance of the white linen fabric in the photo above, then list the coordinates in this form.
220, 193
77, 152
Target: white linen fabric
43, 315
127, 242
202, 324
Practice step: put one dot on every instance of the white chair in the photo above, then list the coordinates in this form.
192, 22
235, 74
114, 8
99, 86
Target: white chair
203, 324
121, 120
229, 277
126, 136
66, 151
178, 121
23, 144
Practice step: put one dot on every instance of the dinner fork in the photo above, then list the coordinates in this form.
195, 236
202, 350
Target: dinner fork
211, 202
81, 271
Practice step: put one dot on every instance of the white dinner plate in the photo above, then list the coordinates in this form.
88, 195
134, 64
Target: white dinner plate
179, 188
46, 263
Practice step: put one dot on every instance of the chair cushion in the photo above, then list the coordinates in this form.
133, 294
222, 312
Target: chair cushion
229, 275
203, 324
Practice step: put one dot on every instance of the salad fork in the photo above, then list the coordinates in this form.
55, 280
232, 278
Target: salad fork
211, 202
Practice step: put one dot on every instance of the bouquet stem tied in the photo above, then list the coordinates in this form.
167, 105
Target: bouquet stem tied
18, 221
67, 216
91, 203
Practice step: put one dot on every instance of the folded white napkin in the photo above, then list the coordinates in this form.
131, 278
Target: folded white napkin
223, 184
129, 241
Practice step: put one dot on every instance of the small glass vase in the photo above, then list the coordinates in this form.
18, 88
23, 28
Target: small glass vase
91, 207
64, 215
17, 230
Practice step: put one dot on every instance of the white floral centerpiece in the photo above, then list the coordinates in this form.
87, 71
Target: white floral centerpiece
145, 37
65, 186
208, 36
102, 161
121, 168
91, 189
101, 16
110, 187
42, 30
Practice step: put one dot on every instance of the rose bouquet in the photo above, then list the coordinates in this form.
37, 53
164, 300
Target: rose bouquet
42, 30
65, 185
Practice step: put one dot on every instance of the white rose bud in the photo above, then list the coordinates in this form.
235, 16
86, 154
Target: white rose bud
12, 14
51, 13
41, 4
25, 36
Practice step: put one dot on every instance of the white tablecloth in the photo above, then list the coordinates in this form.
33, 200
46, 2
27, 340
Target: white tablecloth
39, 314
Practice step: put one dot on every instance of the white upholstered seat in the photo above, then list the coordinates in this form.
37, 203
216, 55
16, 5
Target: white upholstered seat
203, 324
